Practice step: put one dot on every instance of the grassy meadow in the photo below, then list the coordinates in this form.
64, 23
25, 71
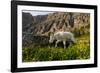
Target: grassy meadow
78, 51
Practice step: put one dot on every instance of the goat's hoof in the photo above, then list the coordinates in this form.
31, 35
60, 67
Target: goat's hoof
64, 47
55, 46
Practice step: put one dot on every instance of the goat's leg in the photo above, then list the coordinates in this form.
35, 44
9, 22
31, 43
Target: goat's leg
57, 43
64, 43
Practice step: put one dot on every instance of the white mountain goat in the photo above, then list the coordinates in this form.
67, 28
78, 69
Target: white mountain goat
62, 37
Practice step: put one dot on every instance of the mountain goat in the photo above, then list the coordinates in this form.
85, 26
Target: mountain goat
62, 37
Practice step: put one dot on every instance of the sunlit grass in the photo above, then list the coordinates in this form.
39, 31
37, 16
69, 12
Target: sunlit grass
80, 51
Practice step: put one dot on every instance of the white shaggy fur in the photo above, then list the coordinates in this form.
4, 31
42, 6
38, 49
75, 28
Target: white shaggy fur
62, 37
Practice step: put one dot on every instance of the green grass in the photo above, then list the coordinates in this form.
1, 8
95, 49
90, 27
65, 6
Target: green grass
80, 51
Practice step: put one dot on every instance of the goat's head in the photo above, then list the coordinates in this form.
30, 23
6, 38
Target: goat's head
51, 40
